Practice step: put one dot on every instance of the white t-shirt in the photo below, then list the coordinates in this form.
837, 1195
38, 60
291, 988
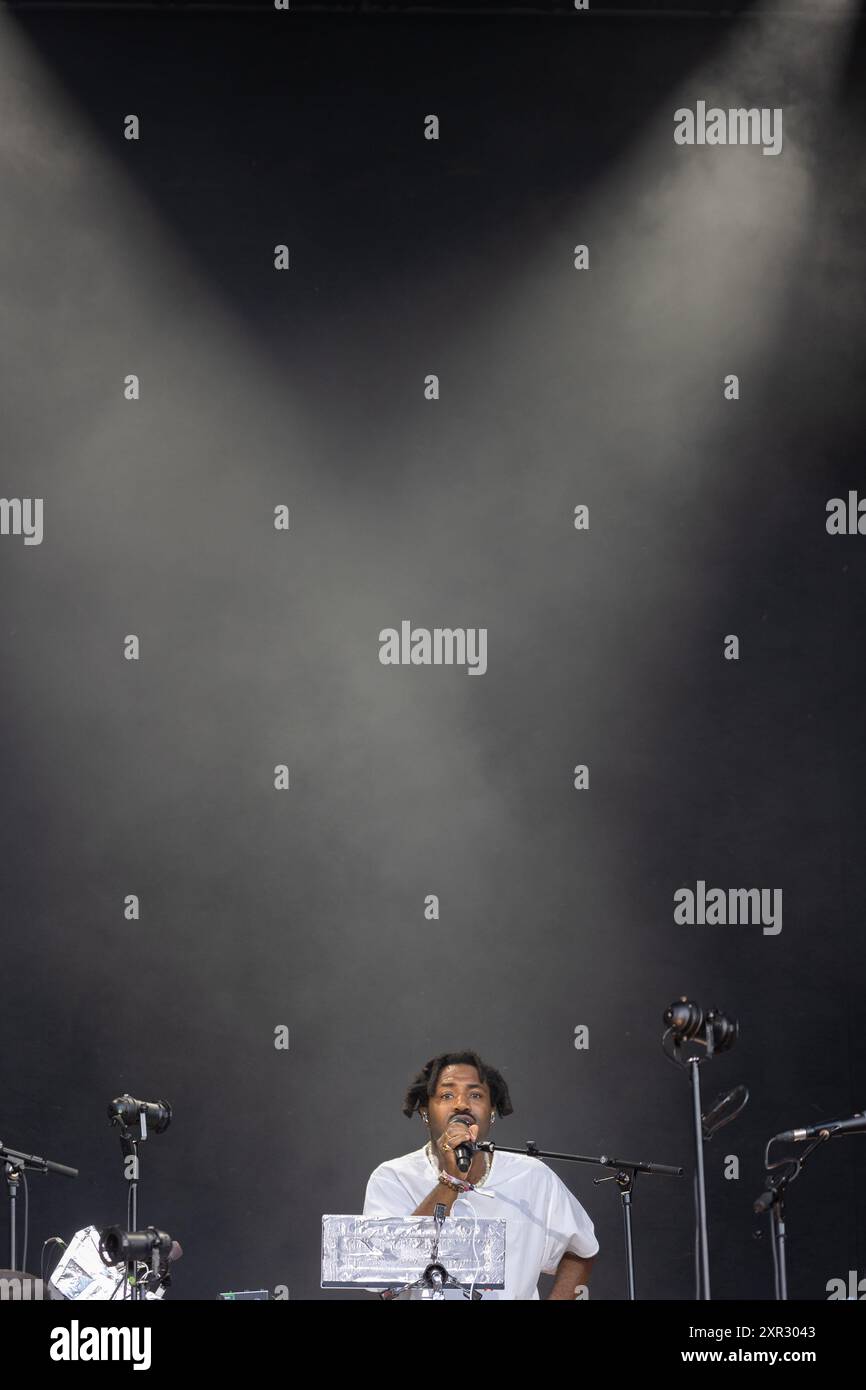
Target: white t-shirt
543, 1218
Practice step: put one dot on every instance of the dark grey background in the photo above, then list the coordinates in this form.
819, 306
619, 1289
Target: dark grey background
707, 518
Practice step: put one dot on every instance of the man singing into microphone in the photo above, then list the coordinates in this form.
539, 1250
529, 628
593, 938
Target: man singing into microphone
547, 1230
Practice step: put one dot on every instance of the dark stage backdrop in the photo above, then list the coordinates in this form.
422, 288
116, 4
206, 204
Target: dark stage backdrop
431, 386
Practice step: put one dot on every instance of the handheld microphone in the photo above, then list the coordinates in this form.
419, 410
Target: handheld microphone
856, 1125
464, 1153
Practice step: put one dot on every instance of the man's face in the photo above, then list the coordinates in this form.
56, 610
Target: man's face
459, 1091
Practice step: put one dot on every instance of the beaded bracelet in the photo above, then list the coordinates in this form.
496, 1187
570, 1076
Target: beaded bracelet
456, 1182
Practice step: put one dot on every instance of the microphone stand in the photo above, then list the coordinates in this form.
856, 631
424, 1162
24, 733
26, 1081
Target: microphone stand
691, 1065
703, 1255
773, 1200
625, 1175
14, 1164
119, 1112
435, 1276
129, 1143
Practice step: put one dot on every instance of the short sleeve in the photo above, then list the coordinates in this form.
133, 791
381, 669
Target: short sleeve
386, 1195
568, 1227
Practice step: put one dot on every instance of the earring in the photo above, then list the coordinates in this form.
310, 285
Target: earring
424, 1118
492, 1117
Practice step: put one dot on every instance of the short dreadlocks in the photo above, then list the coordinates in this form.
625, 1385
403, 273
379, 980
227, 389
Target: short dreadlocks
424, 1085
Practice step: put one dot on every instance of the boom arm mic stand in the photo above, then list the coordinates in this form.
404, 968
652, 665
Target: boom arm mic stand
772, 1199
14, 1165
625, 1174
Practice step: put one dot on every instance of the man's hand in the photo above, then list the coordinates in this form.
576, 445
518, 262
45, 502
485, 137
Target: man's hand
572, 1272
449, 1141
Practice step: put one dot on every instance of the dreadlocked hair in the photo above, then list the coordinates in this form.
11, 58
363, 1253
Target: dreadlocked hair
424, 1085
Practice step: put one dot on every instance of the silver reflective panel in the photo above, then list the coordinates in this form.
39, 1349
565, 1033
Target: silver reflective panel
384, 1251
